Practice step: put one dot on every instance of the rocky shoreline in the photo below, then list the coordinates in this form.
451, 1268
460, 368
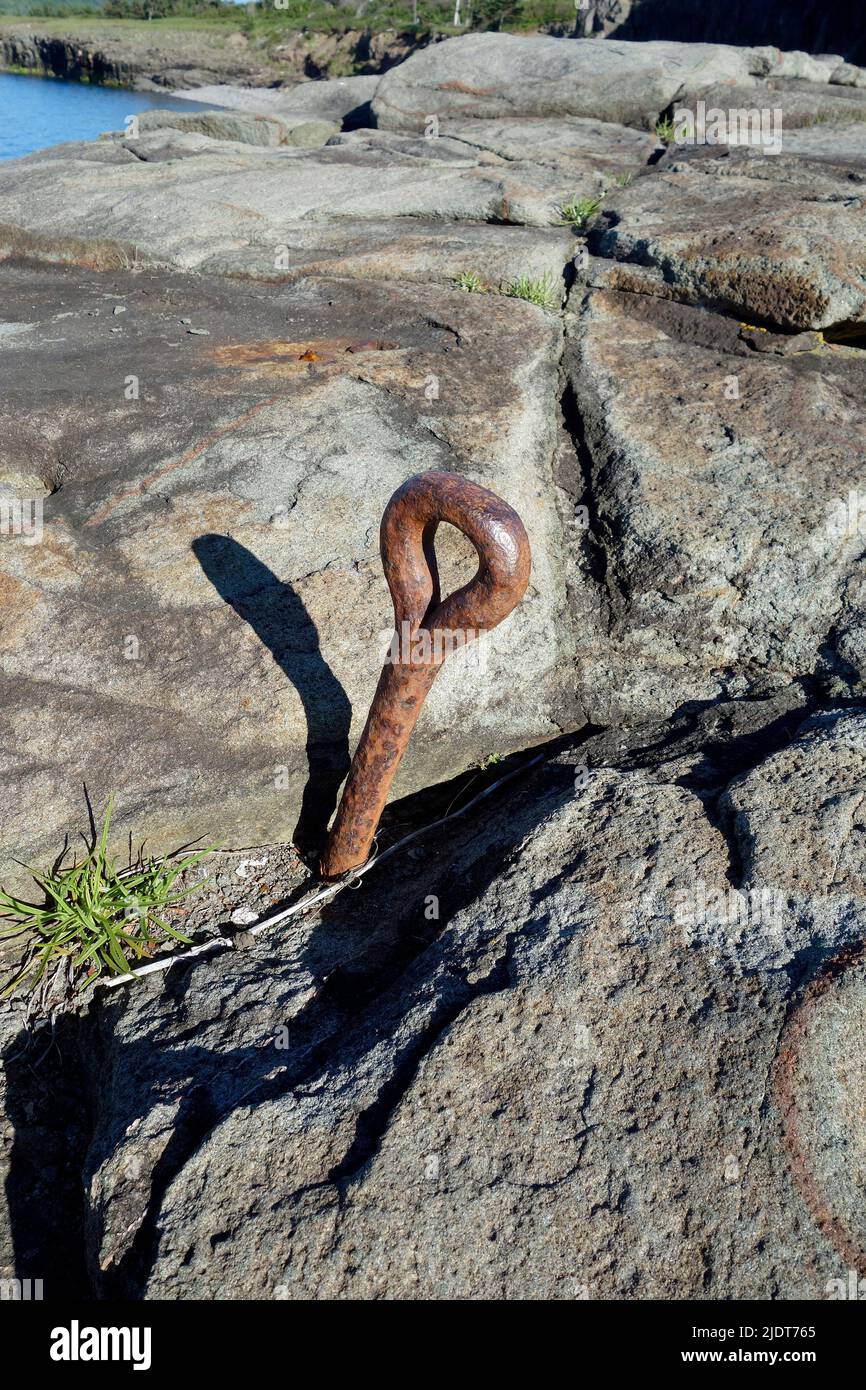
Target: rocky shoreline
586, 1044
149, 58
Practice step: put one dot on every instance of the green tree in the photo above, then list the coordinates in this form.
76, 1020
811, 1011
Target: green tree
157, 9
492, 14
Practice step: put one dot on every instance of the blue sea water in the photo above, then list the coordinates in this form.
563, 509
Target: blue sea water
40, 111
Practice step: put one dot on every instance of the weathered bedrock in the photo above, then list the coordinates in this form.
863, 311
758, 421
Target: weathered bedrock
610, 1067
682, 483
606, 1066
229, 498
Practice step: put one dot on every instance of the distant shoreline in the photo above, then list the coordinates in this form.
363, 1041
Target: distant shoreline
170, 55
185, 53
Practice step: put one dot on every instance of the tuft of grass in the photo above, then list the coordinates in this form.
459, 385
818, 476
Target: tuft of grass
96, 253
470, 281
665, 130
616, 180
490, 761
95, 918
577, 211
832, 117
542, 291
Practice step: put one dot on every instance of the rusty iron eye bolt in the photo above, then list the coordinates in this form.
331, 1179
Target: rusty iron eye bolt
427, 628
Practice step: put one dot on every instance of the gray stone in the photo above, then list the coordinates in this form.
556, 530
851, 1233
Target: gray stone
249, 195
579, 1082
496, 76
769, 238
848, 75
332, 100
241, 127
720, 533
584, 1114
583, 150
235, 195
787, 105
406, 250
843, 145
797, 820
232, 505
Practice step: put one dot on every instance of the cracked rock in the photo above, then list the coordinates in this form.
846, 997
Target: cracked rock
597, 1038
576, 1083
719, 484
773, 239
232, 502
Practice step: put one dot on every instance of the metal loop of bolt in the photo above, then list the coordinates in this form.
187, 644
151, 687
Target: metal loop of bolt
427, 628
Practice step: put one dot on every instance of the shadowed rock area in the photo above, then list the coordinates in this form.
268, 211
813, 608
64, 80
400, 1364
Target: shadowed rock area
585, 1079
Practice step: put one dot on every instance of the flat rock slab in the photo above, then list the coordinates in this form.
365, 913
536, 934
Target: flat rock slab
502, 75
216, 458
792, 105
176, 208
575, 145
408, 249
774, 239
242, 127
579, 1075
781, 808
334, 100
181, 196
582, 1079
839, 143
719, 526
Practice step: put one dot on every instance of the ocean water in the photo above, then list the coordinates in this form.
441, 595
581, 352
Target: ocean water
40, 111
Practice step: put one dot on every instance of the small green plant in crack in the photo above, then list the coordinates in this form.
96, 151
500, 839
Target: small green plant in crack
665, 130
490, 761
616, 180
470, 281
540, 291
577, 211
95, 918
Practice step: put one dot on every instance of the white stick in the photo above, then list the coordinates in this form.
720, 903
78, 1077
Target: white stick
222, 943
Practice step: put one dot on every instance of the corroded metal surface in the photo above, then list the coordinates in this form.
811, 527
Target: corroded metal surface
427, 628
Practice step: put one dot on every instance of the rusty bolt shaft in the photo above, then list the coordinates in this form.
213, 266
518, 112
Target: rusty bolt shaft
426, 630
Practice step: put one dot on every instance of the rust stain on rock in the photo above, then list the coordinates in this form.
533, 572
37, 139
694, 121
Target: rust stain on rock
784, 300
276, 350
278, 355
455, 86
193, 453
786, 1094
